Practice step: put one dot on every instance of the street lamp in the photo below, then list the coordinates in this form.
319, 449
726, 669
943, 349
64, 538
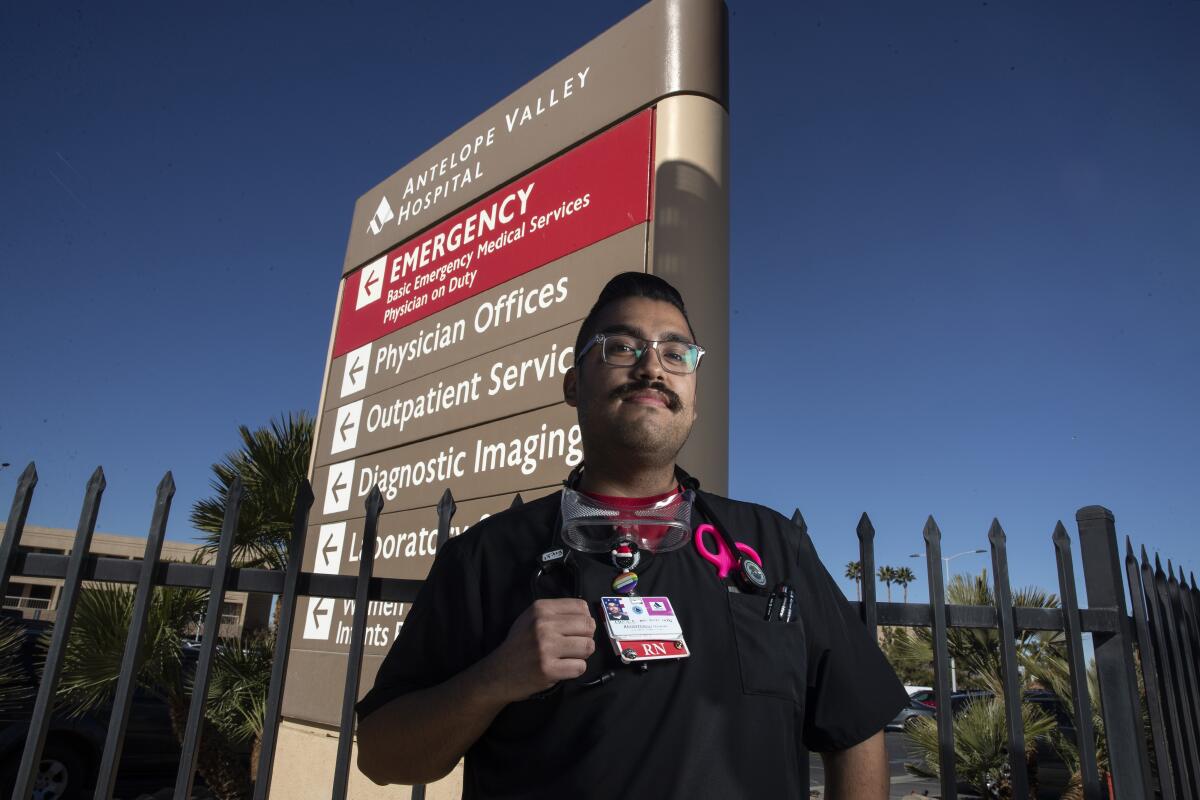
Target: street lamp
946, 571
947, 559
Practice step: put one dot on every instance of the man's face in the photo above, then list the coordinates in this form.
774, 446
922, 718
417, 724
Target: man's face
642, 409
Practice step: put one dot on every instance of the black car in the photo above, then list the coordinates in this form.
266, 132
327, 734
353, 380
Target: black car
1053, 773
71, 756
915, 709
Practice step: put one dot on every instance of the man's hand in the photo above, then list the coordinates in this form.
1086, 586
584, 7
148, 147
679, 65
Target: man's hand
420, 736
548, 643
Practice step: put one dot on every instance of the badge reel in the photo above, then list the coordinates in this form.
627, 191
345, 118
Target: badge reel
641, 629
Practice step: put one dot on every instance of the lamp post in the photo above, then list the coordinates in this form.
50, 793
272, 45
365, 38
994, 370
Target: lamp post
945, 574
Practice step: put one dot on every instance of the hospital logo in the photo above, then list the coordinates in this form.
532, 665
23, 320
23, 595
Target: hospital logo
383, 215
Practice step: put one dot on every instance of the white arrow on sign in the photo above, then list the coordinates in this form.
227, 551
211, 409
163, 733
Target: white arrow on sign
354, 379
339, 487
345, 429
370, 283
329, 548
318, 620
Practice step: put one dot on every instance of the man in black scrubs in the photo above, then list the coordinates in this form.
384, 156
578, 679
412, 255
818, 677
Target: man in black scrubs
532, 691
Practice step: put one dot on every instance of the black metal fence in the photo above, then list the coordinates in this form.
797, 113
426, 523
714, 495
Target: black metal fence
1161, 631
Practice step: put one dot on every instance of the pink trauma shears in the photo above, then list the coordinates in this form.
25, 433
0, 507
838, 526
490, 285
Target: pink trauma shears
723, 560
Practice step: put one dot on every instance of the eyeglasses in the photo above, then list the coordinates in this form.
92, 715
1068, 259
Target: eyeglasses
624, 350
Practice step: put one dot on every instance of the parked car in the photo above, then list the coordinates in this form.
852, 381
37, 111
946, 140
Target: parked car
70, 759
914, 710
1053, 773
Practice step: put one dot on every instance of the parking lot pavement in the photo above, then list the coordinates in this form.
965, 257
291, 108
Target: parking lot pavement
904, 785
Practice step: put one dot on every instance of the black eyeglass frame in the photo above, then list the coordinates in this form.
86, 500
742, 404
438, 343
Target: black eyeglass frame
651, 343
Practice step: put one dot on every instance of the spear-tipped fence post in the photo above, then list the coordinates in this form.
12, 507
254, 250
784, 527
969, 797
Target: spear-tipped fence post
1013, 694
941, 660
283, 639
43, 706
1073, 633
143, 595
208, 646
445, 509
866, 556
16, 523
358, 637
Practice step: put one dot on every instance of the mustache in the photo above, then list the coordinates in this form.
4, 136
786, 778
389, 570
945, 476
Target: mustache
633, 387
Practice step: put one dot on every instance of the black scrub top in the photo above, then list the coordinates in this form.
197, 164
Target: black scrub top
736, 719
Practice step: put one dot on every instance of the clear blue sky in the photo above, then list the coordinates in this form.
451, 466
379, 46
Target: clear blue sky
965, 245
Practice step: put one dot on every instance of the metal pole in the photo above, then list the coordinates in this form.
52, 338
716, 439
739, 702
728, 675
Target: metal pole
212, 620
1013, 694
114, 741
358, 637
866, 555
283, 638
941, 650
39, 725
1129, 760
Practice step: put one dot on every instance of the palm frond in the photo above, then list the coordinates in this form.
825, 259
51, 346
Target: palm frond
16, 684
92, 661
271, 462
980, 742
237, 694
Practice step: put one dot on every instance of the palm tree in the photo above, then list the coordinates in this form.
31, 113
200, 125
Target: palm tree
92, 662
904, 576
976, 651
980, 745
981, 740
854, 573
887, 575
272, 462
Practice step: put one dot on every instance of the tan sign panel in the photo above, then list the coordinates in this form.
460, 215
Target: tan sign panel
589, 193
664, 48
521, 377
546, 298
533, 449
313, 690
406, 541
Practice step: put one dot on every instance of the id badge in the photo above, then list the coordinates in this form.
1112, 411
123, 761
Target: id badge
643, 628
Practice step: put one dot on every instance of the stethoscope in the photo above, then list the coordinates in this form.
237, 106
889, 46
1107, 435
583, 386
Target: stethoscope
731, 558
734, 560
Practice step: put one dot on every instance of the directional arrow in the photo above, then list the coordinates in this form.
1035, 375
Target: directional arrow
374, 280
337, 487
318, 612
329, 547
347, 426
357, 368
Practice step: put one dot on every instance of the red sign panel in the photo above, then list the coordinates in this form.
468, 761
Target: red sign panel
596, 190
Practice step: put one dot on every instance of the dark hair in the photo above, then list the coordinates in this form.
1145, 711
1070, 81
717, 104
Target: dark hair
625, 285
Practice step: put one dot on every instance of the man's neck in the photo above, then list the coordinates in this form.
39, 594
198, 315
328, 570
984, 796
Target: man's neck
629, 482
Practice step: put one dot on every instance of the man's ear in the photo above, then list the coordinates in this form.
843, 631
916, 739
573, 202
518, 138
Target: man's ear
570, 387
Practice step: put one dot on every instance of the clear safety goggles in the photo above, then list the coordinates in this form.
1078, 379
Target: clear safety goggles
593, 526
